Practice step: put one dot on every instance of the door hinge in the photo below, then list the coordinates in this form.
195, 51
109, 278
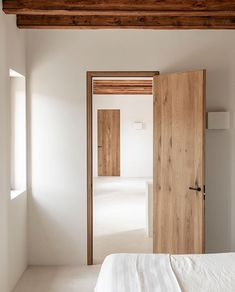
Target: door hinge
204, 192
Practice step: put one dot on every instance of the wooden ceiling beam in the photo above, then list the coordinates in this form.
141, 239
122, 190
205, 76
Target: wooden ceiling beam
91, 7
150, 14
131, 22
134, 13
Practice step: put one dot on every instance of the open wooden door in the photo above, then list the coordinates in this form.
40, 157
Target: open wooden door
108, 142
179, 128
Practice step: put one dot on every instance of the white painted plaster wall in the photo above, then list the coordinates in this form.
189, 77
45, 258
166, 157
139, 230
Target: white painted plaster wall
17, 239
57, 65
136, 146
4, 180
12, 213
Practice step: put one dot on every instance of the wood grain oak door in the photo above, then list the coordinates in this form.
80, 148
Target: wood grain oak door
108, 143
179, 141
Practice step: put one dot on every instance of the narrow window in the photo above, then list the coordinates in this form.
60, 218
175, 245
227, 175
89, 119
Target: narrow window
18, 133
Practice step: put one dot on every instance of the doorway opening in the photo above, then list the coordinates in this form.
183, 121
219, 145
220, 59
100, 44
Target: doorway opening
120, 163
176, 197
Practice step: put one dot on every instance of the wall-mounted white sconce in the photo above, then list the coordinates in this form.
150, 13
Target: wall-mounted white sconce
218, 120
138, 125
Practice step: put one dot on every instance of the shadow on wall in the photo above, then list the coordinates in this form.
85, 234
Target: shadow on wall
219, 165
56, 234
218, 191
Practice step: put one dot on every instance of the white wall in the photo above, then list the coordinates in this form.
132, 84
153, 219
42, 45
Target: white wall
4, 180
57, 65
17, 207
12, 213
136, 159
17, 242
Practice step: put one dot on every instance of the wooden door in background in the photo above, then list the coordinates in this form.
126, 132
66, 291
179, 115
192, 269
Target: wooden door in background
179, 141
108, 142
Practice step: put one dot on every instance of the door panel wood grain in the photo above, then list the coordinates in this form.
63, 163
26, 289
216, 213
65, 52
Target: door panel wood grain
179, 129
108, 142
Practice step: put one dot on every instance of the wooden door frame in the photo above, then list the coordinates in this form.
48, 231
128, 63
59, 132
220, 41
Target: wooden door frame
89, 107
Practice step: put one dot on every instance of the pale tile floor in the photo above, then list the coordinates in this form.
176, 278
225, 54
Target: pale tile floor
119, 217
58, 279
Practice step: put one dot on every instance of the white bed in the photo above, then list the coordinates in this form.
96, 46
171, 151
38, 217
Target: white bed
167, 273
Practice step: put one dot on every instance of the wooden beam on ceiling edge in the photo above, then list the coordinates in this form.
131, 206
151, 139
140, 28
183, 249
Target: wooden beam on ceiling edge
91, 7
118, 22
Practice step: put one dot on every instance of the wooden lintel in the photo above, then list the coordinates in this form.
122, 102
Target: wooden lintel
142, 87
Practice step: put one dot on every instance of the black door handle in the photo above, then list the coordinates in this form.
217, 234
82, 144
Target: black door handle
195, 189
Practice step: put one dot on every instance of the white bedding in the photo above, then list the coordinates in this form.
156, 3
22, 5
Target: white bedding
205, 273
137, 273
167, 273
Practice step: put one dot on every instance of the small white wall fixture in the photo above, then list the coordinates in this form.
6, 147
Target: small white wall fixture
138, 125
218, 120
